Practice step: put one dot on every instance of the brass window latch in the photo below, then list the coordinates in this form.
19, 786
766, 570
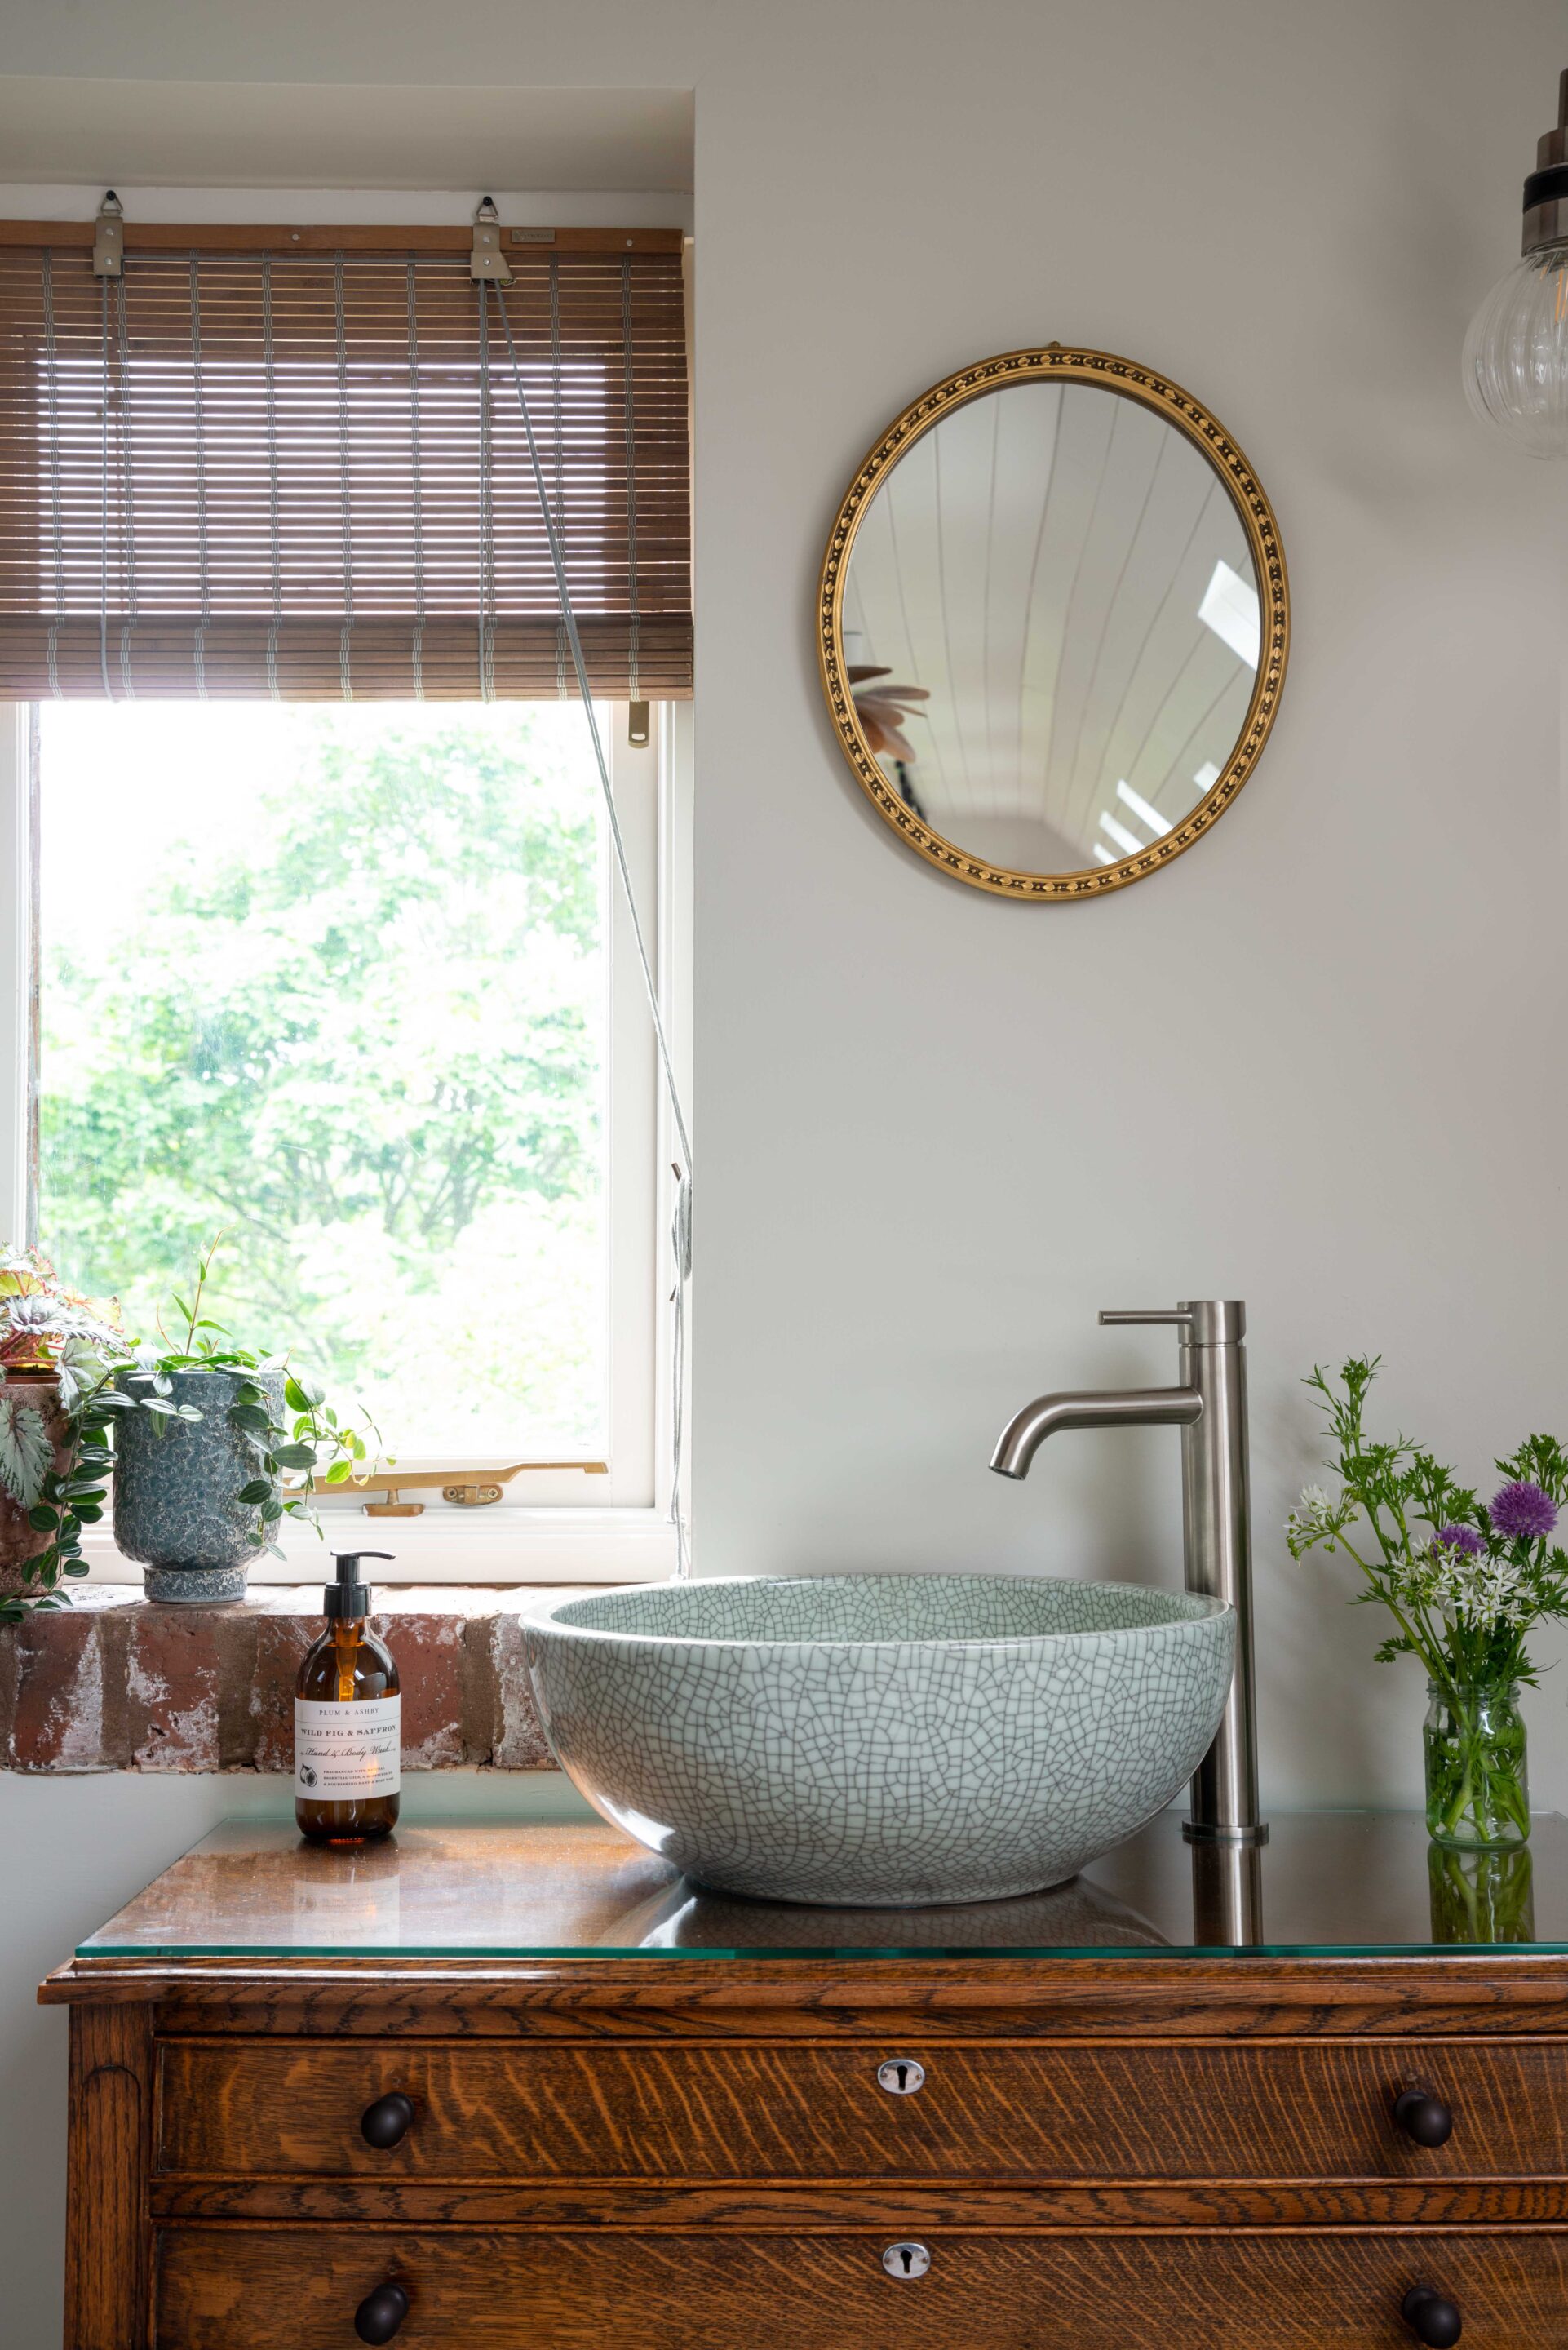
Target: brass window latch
470, 1489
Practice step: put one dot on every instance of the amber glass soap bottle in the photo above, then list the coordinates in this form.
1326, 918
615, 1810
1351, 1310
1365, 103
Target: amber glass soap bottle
347, 1721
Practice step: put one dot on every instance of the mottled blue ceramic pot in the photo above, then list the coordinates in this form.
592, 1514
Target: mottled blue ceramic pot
177, 1483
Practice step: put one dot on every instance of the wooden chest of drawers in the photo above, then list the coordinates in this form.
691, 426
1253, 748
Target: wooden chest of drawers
670, 2153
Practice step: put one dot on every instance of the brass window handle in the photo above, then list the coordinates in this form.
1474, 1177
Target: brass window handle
469, 1488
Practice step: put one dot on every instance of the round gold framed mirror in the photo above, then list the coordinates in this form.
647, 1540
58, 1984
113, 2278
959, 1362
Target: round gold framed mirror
1053, 623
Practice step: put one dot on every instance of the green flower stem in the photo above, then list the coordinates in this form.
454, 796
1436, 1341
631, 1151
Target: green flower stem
1422, 1644
1461, 1802
1475, 1749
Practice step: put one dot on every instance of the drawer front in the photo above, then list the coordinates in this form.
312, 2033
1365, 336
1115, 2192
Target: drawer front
297, 2289
257, 2109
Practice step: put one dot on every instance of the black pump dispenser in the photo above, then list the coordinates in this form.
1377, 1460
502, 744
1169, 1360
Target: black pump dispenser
348, 1720
348, 1597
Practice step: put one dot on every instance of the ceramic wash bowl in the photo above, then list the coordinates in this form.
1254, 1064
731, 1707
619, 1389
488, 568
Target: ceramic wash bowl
876, 1739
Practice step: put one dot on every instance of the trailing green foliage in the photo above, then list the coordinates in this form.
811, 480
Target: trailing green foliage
47, 1328
26, 1454
101, 1378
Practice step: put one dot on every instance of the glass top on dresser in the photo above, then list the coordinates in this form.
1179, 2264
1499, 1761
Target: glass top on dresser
1347, 1882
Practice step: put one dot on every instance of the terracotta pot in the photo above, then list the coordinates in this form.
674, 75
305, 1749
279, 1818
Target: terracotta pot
29, 1392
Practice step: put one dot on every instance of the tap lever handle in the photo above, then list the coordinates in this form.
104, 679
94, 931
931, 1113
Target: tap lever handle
1153, 1313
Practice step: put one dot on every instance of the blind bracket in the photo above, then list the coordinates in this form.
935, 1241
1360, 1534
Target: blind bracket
109, 238
487, 262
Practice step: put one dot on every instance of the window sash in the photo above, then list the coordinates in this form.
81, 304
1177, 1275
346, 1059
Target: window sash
562, 1527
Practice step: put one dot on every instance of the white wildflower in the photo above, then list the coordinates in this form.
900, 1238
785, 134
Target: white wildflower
1317, 1518
1476, 1590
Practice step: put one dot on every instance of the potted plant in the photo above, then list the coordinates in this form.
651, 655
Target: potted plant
221, 1444
1465, 1581
58, 1359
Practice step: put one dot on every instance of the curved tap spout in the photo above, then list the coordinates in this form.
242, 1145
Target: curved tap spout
1094, 1408
1211, 1409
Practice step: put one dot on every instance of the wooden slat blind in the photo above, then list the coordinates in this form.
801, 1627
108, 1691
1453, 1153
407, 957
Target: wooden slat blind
304, 475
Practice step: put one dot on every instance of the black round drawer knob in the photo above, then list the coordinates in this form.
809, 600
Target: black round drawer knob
381, 2312
1424, 2117
1430, 2317
386, 2123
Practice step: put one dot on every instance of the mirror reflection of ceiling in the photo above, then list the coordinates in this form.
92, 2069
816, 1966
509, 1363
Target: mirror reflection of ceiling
1059, 596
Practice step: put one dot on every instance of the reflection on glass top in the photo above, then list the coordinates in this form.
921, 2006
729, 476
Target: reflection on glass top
1346, 1882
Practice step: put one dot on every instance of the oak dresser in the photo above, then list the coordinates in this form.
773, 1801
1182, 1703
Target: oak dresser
521, 2088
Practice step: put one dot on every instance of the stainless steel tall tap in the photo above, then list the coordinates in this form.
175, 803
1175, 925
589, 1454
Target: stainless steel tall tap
1209, 1407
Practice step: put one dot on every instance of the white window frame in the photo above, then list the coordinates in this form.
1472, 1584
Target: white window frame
548, 1528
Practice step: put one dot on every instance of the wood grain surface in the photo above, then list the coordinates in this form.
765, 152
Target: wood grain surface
1112, 2111
827, 2208
1482, 1994
273, 2289
108, 2157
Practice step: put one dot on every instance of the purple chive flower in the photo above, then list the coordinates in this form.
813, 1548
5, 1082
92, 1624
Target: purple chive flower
1463, 1539
1523, 1513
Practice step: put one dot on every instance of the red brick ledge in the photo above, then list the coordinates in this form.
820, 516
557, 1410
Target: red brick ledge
118, 1683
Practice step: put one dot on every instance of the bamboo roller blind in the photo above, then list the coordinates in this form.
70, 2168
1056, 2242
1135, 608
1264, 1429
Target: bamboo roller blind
303, 474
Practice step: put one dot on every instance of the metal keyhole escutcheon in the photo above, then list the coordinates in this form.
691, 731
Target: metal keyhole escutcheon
901, 2076
906, 2260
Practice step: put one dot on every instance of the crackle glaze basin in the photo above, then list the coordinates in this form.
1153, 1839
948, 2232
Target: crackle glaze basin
881, 1740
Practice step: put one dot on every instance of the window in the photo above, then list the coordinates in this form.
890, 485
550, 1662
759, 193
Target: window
350, 985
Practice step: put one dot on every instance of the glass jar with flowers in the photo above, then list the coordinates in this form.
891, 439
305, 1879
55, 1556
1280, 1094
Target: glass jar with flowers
1464, 1580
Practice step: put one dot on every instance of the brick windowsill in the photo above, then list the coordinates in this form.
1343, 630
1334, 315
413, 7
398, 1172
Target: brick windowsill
118, 1683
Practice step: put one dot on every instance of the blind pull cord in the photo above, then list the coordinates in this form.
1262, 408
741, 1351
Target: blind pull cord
107, 261
681, 1226
103, 503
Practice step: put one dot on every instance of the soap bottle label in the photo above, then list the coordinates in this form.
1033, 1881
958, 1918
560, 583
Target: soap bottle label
346, 1753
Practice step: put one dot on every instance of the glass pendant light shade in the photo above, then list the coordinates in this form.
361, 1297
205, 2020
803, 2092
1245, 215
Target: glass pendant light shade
1516, 353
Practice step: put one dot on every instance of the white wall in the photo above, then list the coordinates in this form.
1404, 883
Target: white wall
1315, 1064
1309, 1065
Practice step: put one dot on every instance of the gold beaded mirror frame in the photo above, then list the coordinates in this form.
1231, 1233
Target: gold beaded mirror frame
1053, 624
